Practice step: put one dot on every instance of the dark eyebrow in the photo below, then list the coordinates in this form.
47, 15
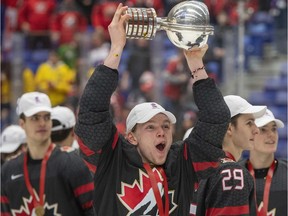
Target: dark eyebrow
38, 115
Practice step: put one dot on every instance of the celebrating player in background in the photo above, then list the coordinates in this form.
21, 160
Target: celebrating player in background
45, 179
270, 174
13, 142
230, 191
143, 173
63, 122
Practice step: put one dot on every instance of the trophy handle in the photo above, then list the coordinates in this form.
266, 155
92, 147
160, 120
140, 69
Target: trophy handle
142, 24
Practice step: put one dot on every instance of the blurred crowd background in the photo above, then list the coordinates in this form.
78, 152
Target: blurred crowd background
53, 46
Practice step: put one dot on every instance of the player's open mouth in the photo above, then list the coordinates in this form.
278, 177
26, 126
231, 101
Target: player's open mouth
160, 146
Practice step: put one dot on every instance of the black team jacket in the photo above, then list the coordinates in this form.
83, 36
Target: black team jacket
121, 186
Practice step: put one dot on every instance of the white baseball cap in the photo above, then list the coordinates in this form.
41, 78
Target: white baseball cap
238, 105
11, 138
143, 112
267, 118
33, 102
65, 116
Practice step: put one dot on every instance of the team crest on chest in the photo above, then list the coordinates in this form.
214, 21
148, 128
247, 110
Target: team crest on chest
27, 209
139, 196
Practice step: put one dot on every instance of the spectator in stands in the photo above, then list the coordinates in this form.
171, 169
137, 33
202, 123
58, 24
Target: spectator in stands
145, 92
70, 54
56, 79
119, 111
139, 60
63, 122
6, 93
68, 26
269, 173
34, 20
168, 5
231, 8
216, 52
279, 12
28, 80
99, 48
9, 22
101, 16
13, 142
188, 121
176, 78
86, 8
67, 23
158, 5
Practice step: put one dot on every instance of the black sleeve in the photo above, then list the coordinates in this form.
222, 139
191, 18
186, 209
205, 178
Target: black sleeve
94, 128
205, 141
80, 180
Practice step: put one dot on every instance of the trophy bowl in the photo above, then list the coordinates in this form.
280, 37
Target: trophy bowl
187, 24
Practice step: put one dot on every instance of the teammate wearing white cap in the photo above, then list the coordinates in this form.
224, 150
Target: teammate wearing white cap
63, 122
44, 180
242, 130
270, 173
13, 142
230, 190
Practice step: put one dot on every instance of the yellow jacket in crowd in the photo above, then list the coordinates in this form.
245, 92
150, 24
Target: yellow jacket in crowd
55, 79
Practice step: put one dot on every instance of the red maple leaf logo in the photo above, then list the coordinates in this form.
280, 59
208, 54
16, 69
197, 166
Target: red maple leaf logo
26, 209
134, 194
269, 213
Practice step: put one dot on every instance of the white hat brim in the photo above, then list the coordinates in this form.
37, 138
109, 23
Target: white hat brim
154, 112
35, 110
267, 120
9, 147
256, 111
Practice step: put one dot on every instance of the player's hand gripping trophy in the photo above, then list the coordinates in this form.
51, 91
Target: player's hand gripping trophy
187, 24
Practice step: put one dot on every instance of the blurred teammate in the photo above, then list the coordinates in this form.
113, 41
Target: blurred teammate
13, 142
270, 173
63, 122
45, 179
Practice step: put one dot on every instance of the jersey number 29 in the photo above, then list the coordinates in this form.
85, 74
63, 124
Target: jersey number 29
232, 175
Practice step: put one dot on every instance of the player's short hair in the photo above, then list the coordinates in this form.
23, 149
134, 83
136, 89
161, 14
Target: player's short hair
59, 135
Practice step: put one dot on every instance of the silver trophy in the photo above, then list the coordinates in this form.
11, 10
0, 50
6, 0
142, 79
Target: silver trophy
187, 24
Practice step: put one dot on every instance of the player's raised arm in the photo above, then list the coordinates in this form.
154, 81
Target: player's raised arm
194, 59
205, 141
95, 127
118, 37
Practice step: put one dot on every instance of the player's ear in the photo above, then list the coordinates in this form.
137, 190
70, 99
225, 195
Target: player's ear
131, 138
230, 129
21, 123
